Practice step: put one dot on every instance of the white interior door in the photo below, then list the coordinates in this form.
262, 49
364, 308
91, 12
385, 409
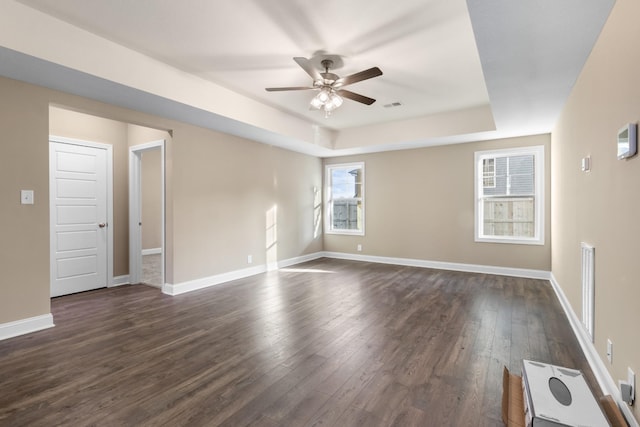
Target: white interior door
79, 214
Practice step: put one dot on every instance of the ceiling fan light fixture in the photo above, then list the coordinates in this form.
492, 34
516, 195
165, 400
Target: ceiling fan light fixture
329, 107
324, 95
332, 103
335, 100
316, 103
327, 100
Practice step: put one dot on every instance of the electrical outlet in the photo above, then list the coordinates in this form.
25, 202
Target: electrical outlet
609, 351
249, 259
359, 248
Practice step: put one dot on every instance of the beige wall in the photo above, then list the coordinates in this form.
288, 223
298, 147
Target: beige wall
219, 189
24, 229
224, 188
419, 204
602, 207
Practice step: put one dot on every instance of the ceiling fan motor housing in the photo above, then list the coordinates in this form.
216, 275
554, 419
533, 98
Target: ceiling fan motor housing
329, 78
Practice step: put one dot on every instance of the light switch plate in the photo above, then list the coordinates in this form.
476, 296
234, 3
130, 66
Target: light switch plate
586, 164
26, 197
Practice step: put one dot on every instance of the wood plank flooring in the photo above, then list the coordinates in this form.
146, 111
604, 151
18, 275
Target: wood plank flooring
325, 343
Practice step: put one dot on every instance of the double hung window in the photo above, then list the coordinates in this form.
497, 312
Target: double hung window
345, 198
509, 188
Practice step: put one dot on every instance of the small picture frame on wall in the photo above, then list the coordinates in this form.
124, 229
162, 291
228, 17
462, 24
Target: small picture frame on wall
627, 141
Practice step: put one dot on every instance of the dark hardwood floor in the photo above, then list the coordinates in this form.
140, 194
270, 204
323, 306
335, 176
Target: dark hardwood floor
325, 343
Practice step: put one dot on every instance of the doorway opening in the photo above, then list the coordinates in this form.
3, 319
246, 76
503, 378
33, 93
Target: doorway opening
147, 213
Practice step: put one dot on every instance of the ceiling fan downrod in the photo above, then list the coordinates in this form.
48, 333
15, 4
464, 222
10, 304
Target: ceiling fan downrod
326, 63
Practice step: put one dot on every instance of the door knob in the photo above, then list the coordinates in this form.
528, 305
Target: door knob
102, 225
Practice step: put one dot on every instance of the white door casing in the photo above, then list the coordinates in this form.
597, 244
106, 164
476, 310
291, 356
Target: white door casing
80, 215
135, 209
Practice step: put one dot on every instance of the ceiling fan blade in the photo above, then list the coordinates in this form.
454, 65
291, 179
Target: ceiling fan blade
356, 97
280, 89
308, 67
358, 77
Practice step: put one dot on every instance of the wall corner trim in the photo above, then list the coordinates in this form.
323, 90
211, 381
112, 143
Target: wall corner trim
607, 384
25, 326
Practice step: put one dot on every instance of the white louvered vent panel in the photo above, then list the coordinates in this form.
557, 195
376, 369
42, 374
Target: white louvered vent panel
588, 287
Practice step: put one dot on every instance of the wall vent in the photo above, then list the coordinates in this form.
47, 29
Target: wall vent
588, 287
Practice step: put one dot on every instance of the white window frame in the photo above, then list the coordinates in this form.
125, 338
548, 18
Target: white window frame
329, 199
538, 210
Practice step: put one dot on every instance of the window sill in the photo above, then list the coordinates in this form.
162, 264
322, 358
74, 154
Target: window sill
513, 241
345, 232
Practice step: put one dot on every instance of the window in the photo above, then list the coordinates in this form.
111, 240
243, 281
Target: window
510, 195
345, 198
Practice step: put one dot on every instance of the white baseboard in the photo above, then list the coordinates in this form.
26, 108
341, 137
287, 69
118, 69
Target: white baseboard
440, 265
151, 251
25, 326
607, 384
300, 259
119, 281
205, 282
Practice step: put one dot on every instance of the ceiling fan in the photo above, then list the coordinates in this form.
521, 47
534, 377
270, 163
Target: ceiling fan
330, 85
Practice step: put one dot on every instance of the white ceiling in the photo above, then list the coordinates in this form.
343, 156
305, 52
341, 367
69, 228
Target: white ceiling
445, 61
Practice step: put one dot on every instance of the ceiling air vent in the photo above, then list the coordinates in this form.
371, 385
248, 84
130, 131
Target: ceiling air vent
393, 104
